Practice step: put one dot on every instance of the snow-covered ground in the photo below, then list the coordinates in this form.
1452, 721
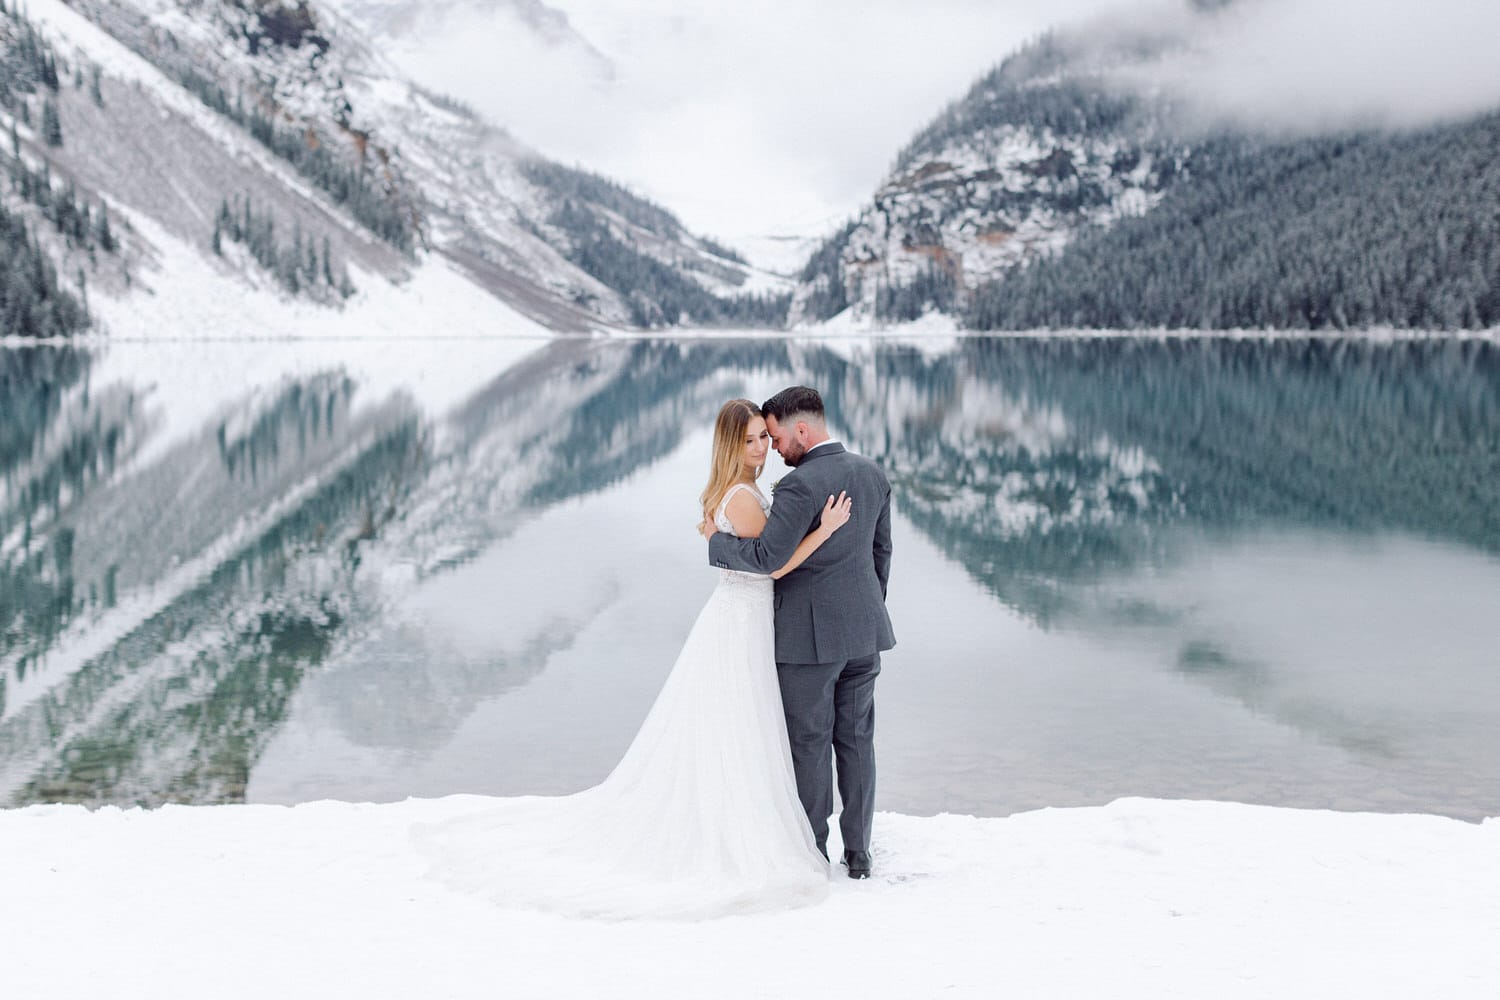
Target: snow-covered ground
1140, 898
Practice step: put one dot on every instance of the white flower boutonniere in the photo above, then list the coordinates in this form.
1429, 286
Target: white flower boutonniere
774, 484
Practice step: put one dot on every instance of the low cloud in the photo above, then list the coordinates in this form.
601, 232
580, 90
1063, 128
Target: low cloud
774, 117
1317, 64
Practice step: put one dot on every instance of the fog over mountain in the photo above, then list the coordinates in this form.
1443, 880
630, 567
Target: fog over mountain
1318, 64
798, 108
775, 117
216, 165
1199, 164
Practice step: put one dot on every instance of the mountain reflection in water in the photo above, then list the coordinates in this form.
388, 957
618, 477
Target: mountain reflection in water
170, 594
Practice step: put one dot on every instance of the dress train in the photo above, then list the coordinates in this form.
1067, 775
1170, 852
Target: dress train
700, 817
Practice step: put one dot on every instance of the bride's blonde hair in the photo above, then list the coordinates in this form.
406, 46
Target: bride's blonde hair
729, 449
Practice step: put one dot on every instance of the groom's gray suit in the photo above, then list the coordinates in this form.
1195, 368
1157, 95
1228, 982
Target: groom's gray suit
831, 626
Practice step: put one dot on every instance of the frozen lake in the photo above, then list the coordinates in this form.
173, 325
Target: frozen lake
1259, 570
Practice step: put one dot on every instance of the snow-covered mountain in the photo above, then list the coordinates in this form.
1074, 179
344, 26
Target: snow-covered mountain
1080, 185
395, 22
1038, 150
255, 146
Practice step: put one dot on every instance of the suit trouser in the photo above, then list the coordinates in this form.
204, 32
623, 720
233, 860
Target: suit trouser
830, 715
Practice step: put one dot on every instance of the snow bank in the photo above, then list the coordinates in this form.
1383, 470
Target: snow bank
1139, 898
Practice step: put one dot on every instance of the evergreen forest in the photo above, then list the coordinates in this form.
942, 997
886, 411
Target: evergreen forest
1339, 232
1254, 229
32, 302
656, 293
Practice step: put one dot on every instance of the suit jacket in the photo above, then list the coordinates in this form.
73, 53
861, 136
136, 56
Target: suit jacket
832, 607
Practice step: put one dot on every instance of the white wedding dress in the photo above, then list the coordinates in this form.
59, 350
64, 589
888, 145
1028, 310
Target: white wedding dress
700, 817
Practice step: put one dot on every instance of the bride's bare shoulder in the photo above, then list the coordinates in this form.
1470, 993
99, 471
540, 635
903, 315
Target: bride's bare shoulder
745, 513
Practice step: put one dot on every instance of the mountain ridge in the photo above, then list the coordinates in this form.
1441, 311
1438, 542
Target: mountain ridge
1063, 191
281, 121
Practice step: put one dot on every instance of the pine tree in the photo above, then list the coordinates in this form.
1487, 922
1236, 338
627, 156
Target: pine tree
51, 123
295, 265
32, 304
105, 235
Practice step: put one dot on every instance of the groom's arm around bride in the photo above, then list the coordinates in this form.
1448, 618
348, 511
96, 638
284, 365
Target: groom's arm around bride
832, 607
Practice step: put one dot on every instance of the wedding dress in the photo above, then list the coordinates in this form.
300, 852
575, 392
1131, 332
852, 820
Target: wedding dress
700, 817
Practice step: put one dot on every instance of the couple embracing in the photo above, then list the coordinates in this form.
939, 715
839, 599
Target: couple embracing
722, 801
830, 618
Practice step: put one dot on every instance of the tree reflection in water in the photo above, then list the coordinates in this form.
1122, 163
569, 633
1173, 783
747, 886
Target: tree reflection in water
1038, 465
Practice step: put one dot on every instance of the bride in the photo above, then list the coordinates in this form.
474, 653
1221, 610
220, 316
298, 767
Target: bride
701, 815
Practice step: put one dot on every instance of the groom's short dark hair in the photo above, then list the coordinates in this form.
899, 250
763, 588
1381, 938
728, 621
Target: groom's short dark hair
792, 401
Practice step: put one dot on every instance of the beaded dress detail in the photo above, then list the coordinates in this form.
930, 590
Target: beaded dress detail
750, 581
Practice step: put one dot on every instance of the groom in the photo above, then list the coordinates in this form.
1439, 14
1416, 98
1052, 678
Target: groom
831, 622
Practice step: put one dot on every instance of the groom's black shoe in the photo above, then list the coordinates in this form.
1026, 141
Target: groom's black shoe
858, 863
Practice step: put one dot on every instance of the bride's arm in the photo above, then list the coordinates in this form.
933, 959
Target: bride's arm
835, 516
749, 521
744, 512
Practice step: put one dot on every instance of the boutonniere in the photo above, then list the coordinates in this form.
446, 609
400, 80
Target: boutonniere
774, 484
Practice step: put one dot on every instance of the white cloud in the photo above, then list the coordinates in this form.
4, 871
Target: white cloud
1310, 64
783, 116
743, 119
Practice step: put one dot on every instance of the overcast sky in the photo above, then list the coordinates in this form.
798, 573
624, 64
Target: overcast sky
744, 119
1314, 64
783, 116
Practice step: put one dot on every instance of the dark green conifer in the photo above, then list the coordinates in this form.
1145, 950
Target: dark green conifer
51, 123
105, 235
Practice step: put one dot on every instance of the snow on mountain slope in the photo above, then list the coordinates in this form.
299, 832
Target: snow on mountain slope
286, 116
527, 30
1037, 151
1085, 183
519, 61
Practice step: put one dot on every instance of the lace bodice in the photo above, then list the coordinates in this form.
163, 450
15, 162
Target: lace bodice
721, 521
